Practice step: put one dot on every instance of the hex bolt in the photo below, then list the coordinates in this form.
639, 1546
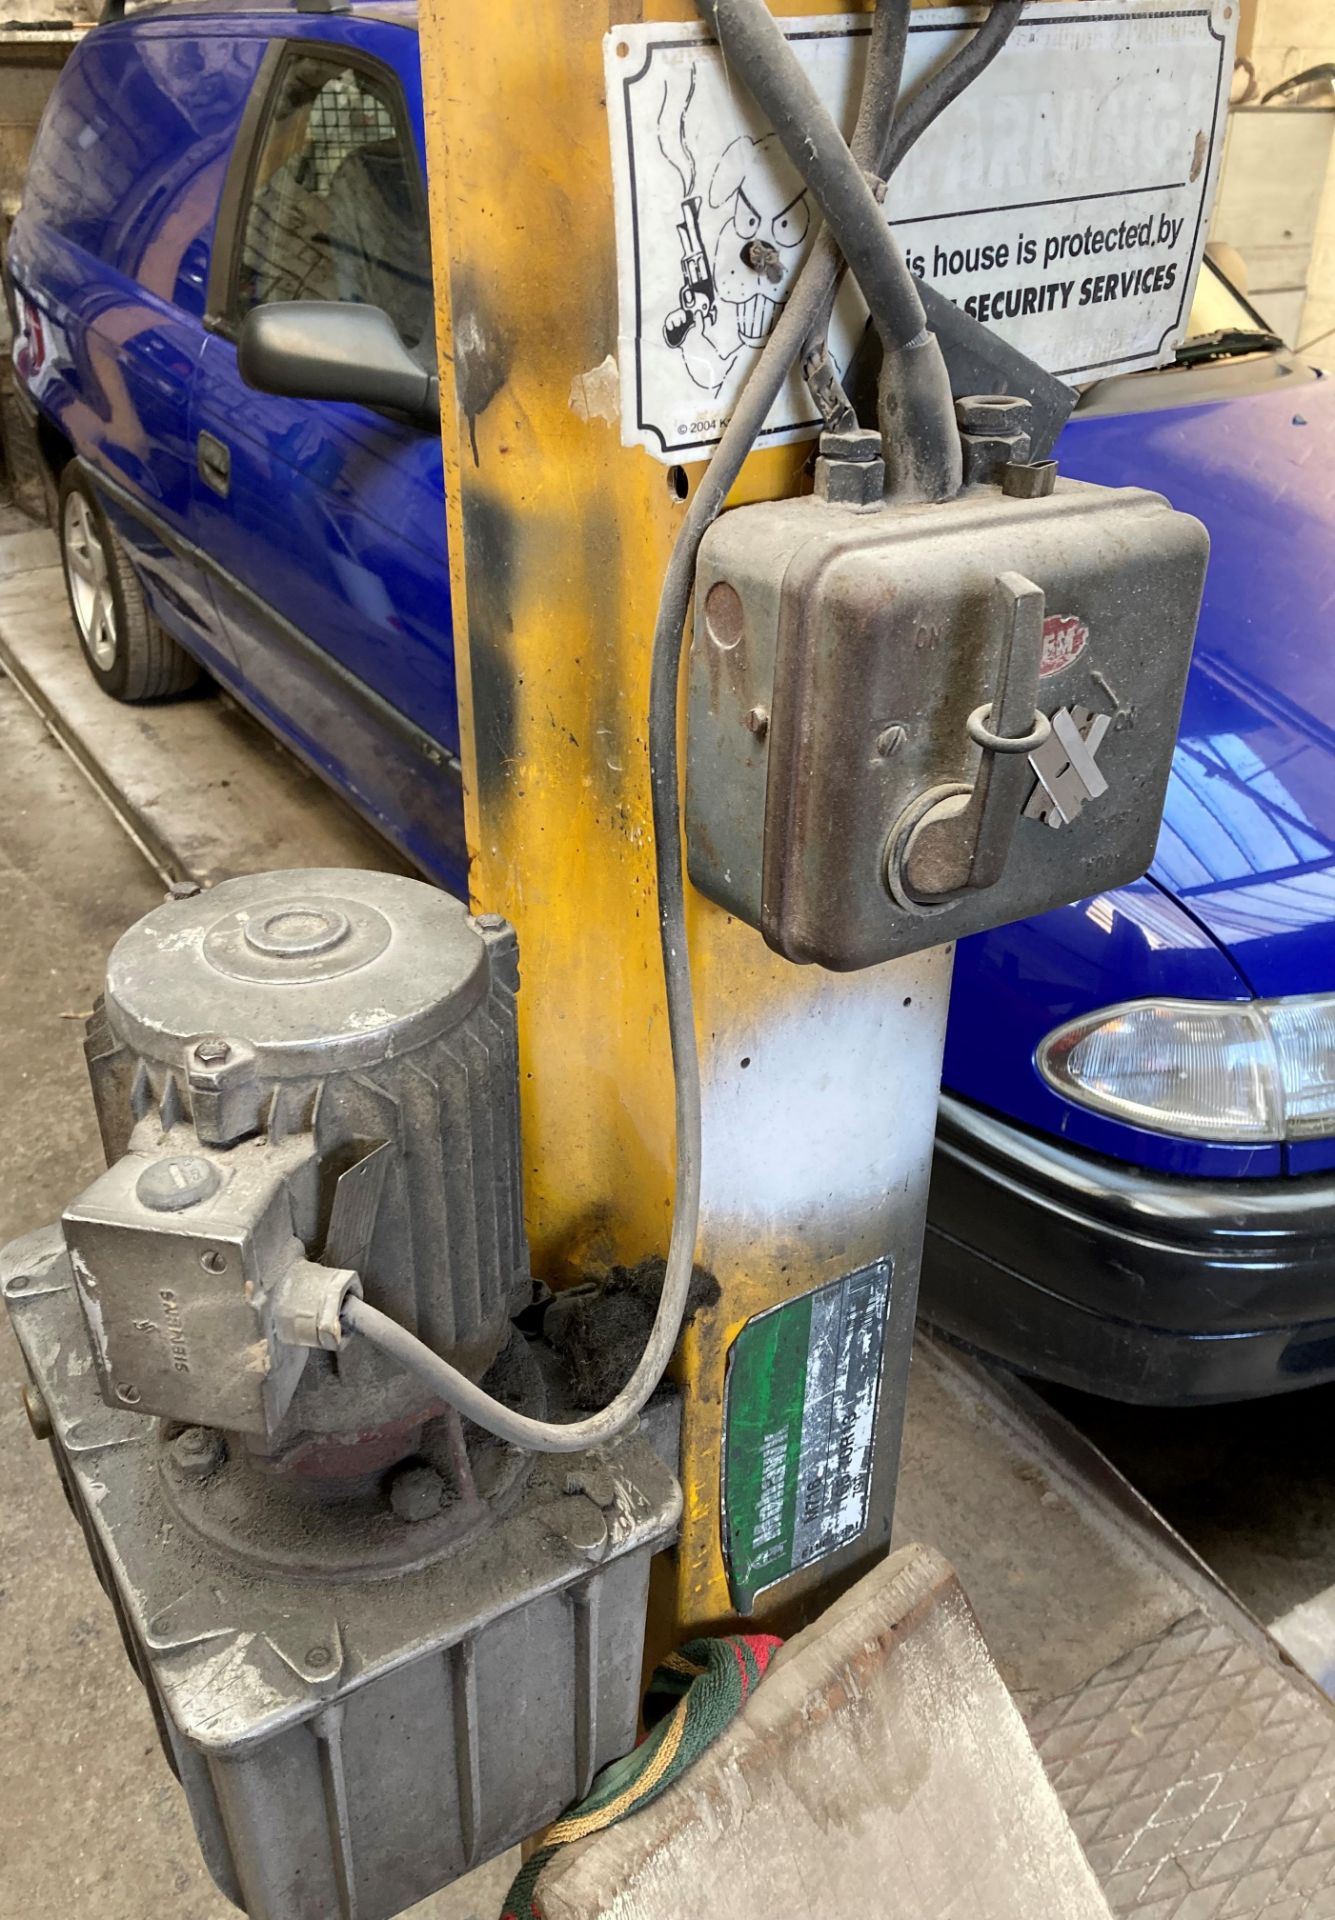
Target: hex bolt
992, 413
860, 445
583, 1526
212, 1052
198, 1451
39, 1417
417, 1493
849, 481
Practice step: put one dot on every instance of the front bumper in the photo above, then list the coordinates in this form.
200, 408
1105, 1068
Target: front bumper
1125, 1283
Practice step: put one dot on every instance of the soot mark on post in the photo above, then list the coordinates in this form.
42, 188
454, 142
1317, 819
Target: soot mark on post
601, 1335
489, 548
481, 355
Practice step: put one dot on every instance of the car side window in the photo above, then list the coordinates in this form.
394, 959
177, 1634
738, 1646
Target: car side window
335, 209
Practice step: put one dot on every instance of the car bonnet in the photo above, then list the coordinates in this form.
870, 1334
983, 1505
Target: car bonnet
1248, 839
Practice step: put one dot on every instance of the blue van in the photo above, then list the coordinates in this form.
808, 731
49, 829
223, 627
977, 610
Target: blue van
1135, 1183
198, 165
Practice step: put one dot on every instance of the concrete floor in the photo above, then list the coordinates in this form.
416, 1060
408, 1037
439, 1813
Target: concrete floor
1252, 1487
93, 1824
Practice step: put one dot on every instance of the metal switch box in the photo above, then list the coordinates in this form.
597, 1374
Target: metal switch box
909, 724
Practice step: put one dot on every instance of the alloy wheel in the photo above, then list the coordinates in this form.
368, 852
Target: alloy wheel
90, 582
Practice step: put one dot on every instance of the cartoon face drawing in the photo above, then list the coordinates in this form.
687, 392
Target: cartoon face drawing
733, 287
765, 220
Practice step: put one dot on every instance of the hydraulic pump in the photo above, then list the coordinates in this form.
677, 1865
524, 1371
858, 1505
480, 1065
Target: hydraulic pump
381, 1645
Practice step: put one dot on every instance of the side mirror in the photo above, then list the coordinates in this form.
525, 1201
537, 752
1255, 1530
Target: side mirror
335, 350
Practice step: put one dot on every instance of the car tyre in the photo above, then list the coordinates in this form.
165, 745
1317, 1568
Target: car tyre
128, 652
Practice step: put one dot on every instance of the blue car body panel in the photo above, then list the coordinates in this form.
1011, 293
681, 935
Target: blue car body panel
109, 258
317, 591
1241, 897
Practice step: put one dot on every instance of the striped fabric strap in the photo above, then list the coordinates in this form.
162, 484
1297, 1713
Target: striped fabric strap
692, 1697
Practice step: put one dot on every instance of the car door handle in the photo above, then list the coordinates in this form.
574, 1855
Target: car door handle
214, 461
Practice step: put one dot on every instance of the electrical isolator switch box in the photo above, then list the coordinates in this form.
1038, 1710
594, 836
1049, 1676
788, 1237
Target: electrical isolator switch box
907, 724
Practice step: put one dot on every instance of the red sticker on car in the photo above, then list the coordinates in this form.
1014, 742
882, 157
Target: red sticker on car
1064, 640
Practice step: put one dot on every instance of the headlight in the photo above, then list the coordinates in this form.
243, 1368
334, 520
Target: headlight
1246, 1070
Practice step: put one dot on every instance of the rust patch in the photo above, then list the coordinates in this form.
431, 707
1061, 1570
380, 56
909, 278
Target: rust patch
1198, 154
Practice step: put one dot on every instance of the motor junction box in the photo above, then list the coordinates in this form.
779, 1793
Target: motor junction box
911, 723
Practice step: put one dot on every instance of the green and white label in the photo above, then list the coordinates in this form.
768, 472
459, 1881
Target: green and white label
803, 1384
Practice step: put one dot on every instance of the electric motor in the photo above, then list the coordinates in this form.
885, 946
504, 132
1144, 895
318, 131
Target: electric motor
325, 1057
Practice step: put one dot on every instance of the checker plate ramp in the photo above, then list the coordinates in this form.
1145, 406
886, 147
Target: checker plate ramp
1200, 1779
1195, 1764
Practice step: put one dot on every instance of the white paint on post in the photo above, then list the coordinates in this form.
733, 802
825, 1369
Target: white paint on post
819, 1116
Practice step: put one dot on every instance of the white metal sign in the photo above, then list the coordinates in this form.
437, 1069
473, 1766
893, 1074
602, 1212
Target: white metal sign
1063, 199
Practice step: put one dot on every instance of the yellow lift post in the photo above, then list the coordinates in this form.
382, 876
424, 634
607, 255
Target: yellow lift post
559, 537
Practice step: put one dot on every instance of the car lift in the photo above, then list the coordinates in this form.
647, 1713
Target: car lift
1194, 1765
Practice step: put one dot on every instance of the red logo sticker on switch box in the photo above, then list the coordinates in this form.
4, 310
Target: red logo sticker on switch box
1064, 640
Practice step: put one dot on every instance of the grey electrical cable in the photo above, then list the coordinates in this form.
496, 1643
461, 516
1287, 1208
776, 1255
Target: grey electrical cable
780, 353
917, 416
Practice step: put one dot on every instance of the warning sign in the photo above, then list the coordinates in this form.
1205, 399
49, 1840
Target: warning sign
1063, 199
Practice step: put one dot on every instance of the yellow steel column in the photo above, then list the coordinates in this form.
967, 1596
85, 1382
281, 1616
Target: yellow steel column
818, 1088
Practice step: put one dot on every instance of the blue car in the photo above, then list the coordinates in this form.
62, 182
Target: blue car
196, 166
1134, 1188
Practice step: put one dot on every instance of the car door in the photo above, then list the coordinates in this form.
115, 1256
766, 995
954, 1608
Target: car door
108, 260
326, 521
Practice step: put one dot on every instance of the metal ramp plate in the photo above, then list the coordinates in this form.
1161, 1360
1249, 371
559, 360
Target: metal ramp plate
1194, 1762
1199, 1776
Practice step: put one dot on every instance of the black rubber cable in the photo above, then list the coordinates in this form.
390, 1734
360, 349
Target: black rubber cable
880, 90
763, 387
897, 134
754, 47
948, 83
917, 416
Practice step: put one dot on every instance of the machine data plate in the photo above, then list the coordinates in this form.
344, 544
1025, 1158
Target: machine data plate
804, 1380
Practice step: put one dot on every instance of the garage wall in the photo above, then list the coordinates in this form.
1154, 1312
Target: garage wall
35, 37
1282, 37
26, 79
